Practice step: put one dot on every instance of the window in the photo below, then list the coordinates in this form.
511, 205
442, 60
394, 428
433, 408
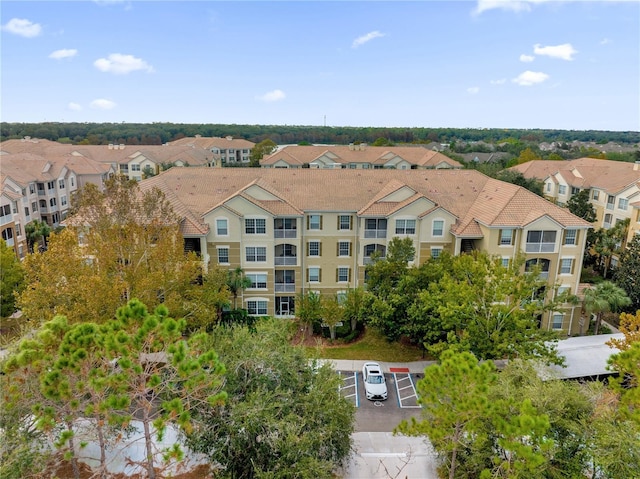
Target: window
255, 226
370, 249
313, 274
344, 248
18, 230
314, 248
596, 195
73, 181
5, 210
623, 204
257, 307
570, 237
222, 228
541, 241
405, 227
435, 252
375, 228
574, 190
344, 222
557, 320
314, 222
7, 235
135, 167
223, 255
258, 280
562, 190
53, 202
506, 237
343, 274
438, 228
548, 187
607, 220
26, 211
61, 184
562, 290
505, 261
51, 185
566, 266
63, 200
32, 189
611, 200
256, 253
285, 305
34, 206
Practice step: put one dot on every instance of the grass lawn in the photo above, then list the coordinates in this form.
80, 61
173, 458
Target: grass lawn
372, 345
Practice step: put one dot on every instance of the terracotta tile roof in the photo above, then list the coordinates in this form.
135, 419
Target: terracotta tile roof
375, 155
209, 142
467, 194
607, 175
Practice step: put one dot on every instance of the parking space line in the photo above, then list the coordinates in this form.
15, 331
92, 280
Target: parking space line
402, 377
354, 386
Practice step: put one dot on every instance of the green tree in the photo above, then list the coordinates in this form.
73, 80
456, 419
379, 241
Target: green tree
308, 308
527, 155
627, 383
605, 297
610, 242
237, 282
354, 306
477, 304
515, 177
284, 417
37, 232
207, 302
332, 314
11, 279
630, 328
580, 206
627, 275
260, 150
454, 399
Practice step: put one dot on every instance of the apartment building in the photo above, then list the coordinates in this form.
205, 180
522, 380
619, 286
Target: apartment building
360, 156
227, 151
297, 230
35, 188
614, 187
133, 161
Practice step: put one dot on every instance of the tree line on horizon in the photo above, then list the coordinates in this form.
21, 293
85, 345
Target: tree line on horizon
160, 133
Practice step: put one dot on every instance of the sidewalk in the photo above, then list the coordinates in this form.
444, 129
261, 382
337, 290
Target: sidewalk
415, 367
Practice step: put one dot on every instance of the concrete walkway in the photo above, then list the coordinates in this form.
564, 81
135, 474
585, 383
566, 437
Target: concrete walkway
416, 367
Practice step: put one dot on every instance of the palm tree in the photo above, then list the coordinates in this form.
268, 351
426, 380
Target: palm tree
237, 282
35, 232
605, 297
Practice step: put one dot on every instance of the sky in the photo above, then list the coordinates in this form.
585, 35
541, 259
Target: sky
572, 65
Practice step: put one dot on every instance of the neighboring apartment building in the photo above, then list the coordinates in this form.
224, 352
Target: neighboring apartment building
133, 161
361, 156
614, 187
296, 230
35, 188
226, 151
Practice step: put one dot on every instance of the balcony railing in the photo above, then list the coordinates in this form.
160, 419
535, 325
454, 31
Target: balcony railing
285, 287
540, 247
286, 260
610, 206
375, 233
369, 260
285, 233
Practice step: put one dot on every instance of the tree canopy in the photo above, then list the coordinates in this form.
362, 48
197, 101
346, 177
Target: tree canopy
11, 279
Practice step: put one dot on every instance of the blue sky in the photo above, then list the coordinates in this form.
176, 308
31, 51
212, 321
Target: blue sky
460, 64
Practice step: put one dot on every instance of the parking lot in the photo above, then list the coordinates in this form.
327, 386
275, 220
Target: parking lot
382, 416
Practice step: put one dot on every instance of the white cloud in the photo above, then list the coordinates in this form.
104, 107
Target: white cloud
366, 38
64, 53
120, 64
605, 41
563, 52
473, 90
22, 27
529, 78
271, 96
501, 81
102, 104
526, 58
74, 106
512, 5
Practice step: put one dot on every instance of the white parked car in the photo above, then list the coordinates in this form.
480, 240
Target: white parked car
375, 387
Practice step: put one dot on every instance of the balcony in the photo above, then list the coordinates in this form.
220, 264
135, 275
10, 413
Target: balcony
375, 233
285, 255
369, 260
540, 247
285, 233
285, 287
